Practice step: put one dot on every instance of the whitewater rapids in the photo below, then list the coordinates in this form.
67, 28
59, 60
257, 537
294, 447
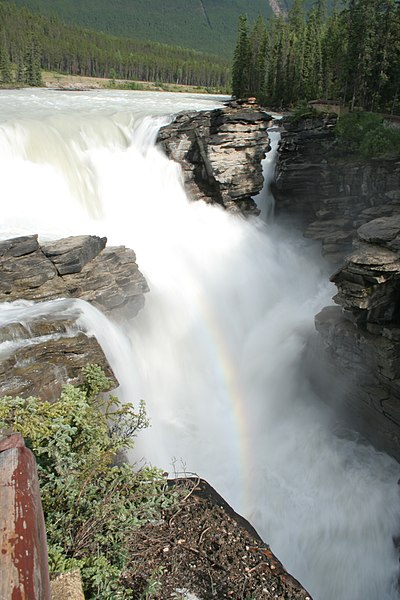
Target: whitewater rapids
217, 351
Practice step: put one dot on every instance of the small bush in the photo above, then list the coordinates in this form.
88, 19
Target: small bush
303, 111
90, 503
368, 135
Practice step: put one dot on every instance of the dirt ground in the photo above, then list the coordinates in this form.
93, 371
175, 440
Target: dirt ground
58, 81
205, 551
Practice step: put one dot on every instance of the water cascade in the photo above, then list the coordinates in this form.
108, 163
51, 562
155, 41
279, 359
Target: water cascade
217, 351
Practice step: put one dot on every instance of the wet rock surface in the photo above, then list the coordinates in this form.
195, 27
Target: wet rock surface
38, 356
41, 351
331, 193
362, 334
220, 152
352, 206
74, 267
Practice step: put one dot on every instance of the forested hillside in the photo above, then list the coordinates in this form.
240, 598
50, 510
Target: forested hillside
351, 55
31, 41
205, 25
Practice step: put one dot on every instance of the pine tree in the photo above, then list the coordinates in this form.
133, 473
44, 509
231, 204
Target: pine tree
258, 60
6, 74
33, 73
21, 70
241, 57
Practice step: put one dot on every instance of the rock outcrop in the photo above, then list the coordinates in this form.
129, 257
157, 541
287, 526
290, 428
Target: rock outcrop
74, 267
41, 353
362, 338
43, 349
352, 206
331, 193
220, 152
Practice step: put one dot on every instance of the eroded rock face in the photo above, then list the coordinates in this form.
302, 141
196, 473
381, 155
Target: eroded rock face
362, 336
353, 207
220, 152
40, 351
74, 267
330, 193
40, 354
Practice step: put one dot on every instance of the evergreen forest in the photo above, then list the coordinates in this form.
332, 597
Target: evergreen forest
349, 55
30, 42
204, 25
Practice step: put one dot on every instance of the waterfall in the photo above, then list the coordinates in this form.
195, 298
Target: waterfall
217, 351
265, 200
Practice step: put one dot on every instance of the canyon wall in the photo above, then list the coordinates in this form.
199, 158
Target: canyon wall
329, 191
352, 206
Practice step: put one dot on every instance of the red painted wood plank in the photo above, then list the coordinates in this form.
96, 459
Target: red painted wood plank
23, 547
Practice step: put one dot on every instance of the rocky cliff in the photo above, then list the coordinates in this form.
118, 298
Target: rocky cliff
331, 192
336, 197
362, 334
45, 348
220, 152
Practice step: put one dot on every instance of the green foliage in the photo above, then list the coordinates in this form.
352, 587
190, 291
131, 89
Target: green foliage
249, 60
32, 41
303, 111
207, 26
350, 55
241, 58
6, 75
367, 134
90, 498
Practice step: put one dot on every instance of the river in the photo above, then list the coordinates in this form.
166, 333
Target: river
217, 351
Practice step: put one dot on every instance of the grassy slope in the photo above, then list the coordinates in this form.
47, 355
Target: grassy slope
207, 25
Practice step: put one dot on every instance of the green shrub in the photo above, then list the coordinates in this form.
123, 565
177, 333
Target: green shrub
368, 135
303, 111
90, 503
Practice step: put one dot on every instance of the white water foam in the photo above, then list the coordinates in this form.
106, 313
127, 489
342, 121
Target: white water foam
216, 353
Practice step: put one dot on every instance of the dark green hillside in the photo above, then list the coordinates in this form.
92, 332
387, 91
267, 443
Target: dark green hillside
30, 41
205, 25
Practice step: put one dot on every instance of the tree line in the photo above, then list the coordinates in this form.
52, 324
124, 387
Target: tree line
351, 55
31, 42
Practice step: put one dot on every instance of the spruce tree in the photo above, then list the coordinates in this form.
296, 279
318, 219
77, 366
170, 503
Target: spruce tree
258, 60
6, 74
241, 58
33, 73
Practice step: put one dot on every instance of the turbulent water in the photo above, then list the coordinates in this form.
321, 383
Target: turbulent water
217, 351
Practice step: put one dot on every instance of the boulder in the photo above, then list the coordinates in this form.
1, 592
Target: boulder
71, 254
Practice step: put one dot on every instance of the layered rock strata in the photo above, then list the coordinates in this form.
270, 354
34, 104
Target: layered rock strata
362, 334
40, 350
40, 354
220, 152
331, 193
73, 267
